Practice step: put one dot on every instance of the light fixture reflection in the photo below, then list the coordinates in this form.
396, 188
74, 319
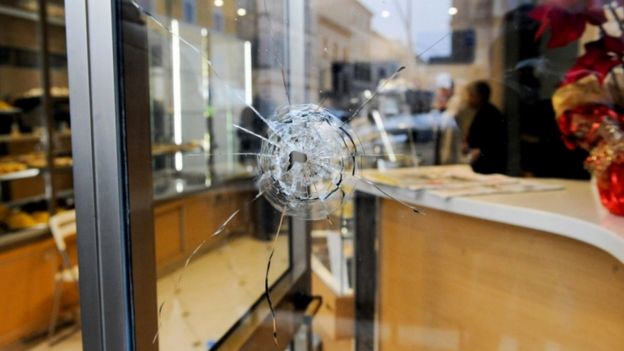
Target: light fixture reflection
248, 77
241, 12
218, 3
177, 91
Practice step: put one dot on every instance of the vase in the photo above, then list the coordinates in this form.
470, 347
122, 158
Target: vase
611, 188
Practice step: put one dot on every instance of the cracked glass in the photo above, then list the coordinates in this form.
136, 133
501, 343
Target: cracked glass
342, 174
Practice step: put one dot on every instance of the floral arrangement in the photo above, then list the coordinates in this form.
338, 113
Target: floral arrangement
589, 102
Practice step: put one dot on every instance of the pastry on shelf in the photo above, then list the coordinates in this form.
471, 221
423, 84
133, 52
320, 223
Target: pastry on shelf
164, 148
34, 160
11, 167
5, 107
190, 146
20, 220
170, 148
38, 160
55, 92
41, 217
63, 161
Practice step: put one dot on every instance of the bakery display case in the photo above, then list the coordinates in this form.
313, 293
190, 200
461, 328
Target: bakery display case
36, 180
35, 133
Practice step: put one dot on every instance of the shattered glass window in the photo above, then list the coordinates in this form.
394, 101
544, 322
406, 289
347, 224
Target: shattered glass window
265, 111
230, 124
327, 174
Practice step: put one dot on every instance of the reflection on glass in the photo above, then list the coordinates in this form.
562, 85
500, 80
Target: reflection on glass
475, 97
214, 233
473, 81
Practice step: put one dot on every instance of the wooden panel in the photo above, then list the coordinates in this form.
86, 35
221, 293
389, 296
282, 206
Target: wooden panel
335, 317
27, 187
27, 283
450, 282
199, 222
63, 180
204, 214
225, 203
167, 228
27, 272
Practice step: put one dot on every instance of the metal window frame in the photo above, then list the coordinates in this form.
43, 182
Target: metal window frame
112, 175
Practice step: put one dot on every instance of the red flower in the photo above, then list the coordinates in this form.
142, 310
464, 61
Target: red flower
566, 19
579, 126
600, 57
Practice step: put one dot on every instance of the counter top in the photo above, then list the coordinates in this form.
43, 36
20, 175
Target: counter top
574, 211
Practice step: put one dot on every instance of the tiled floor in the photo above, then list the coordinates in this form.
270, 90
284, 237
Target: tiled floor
216, 289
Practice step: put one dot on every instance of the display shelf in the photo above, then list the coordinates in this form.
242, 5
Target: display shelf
64, 134
34, 148
26, 137
66, 168
28, 173
60, 164
21, 202
20, 138
28, 15
12, 111
29, 102
21, 235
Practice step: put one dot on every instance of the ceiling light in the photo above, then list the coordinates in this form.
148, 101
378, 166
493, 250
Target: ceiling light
385, 13
241, 12
452, 11
218, 3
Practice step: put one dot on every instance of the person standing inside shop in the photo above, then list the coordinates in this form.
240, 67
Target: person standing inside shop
487, 135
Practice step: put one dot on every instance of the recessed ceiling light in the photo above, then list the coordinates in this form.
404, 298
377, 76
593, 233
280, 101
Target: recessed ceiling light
218, 3
452, 11
241, 12
385, 13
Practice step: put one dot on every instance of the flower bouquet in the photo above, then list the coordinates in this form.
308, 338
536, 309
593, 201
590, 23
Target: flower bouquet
588, 103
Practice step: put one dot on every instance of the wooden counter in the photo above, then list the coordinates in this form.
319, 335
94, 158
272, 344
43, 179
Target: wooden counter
181, 224
531, 271
27, 281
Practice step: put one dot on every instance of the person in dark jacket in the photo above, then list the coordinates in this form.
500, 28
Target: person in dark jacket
487, 135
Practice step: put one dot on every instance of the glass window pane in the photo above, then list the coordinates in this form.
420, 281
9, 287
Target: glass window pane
454, 165
214, 233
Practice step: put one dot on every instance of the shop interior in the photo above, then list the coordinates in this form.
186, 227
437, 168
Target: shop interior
472, 240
